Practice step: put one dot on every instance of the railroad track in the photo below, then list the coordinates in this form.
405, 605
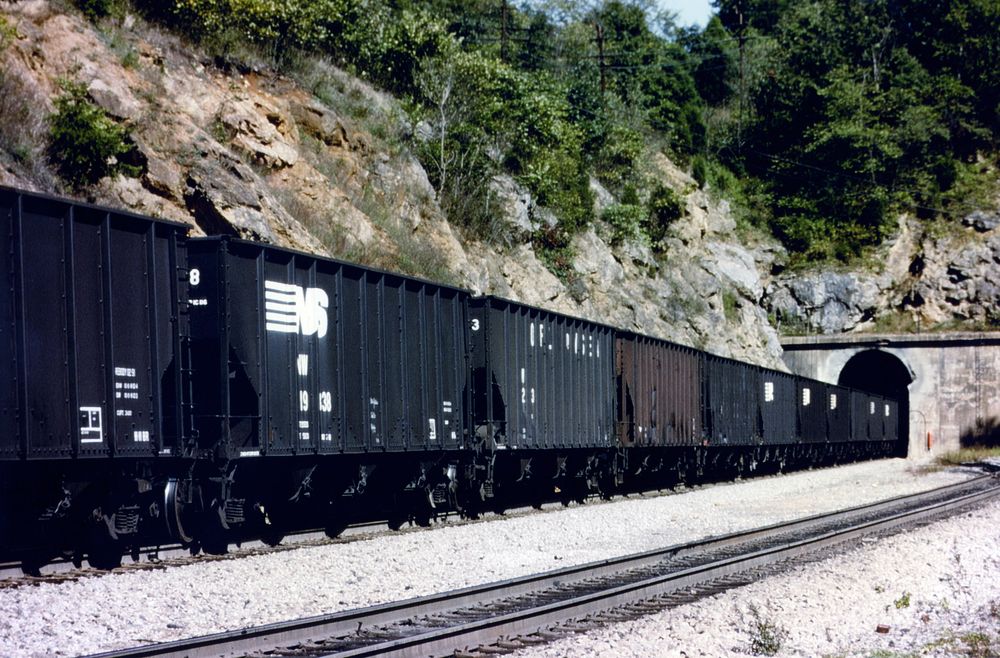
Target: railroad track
161, 557
63, 569
501, 617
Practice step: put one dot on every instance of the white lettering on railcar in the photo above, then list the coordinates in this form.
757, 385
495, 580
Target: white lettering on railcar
303, 400
833, 401
432, 435
290, 309
325, 401
91, 425
326, 436
373, 416
140, 436
126, 384
768, 391
302, 364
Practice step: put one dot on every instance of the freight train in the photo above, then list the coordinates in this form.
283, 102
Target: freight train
156, 387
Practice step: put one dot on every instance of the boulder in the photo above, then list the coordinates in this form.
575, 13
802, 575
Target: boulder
115, 99
257, 131
827, 302
321, 122
982, 221
221, 197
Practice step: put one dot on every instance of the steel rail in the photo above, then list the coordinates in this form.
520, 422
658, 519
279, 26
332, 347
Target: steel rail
446, 640
162, 554
478, 633
63, 567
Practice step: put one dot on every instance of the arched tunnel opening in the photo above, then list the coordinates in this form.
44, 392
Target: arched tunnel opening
883, 373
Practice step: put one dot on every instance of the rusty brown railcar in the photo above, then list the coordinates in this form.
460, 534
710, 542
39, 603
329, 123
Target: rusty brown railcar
659, 392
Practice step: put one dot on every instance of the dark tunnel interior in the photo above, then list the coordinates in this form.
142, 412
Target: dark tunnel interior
883, 373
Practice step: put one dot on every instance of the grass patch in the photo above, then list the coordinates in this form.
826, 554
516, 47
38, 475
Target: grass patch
978, 645
766, 635
412, 255
730, 306
967, 455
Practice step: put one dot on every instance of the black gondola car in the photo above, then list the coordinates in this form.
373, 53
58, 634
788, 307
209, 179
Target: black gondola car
90, 388
543, 398
812, 411
838, 404
541, 379
731, 393
298, 356
778, 403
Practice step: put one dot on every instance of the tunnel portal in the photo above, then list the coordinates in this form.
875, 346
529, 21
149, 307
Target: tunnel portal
883, 373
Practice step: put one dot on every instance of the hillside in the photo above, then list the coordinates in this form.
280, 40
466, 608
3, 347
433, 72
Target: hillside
253, 154
300, 152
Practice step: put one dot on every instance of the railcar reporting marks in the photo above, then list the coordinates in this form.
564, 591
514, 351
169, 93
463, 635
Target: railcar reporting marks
290, 309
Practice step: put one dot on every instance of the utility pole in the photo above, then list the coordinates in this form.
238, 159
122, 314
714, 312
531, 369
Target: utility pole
742, 39
504, 36
601, 64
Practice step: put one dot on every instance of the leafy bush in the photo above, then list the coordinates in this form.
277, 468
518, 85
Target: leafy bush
625, 221
664, 207
553, 248
699, 170
95, 9
7, 33
382, 46
85, 144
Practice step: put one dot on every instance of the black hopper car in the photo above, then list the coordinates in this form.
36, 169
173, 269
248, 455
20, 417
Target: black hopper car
158, 388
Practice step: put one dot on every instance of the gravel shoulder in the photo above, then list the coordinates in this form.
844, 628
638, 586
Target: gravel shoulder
936, 589
126, 609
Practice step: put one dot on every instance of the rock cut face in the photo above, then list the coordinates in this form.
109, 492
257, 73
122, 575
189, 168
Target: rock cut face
257, 156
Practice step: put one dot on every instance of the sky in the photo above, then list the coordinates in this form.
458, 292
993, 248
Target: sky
689, 11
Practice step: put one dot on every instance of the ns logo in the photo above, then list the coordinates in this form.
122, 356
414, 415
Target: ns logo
290, 309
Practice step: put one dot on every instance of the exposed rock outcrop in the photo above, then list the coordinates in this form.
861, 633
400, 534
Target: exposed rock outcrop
942, 276
957, 277
259, 157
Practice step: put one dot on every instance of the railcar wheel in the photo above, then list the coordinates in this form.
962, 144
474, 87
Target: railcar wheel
335, 527
102, 549
175, 507
396, 520
272, 536
271, 531
32, 567
337, 520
